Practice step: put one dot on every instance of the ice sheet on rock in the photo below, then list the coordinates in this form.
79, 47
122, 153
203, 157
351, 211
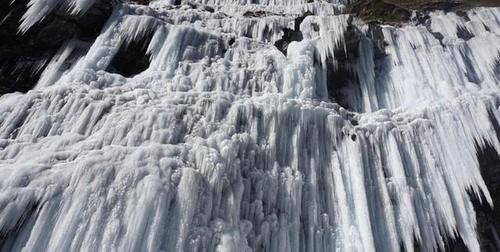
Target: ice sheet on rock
267, 156
224, 143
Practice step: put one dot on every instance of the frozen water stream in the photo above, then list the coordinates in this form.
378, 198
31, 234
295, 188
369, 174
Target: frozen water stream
224, 143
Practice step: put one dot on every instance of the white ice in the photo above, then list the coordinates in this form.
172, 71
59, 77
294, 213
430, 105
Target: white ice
226, 144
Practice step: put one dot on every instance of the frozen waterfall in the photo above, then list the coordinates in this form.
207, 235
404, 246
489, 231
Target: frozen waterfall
226, 143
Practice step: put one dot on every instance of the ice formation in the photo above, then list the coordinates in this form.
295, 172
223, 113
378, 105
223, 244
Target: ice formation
227, 144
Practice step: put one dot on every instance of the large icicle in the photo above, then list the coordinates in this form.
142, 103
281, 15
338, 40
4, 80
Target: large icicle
39, 9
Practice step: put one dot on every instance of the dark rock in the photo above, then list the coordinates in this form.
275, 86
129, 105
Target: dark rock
421, 18
396, 12
470, 71
349, 45
353, 137
209, 9
439, 37
259, 13
463, 15
464, 33
496, 67
446, 5
376, 35
291, 35
380, 12
143, 2
341, 77
488, 219
24, 56
231, 41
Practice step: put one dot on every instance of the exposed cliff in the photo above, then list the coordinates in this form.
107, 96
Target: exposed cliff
396, 12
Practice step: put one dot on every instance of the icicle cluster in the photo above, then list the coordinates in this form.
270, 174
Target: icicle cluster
39, 9
224, 143
421, 65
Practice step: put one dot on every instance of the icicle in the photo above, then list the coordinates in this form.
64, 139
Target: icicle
39, 9
329, 35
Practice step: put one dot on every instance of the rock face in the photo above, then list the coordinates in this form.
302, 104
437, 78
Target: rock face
442, 4
396, 12
381, 11
263, 125
489, 218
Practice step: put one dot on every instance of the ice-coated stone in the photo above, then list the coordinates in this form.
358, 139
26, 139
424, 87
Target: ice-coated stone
224, 143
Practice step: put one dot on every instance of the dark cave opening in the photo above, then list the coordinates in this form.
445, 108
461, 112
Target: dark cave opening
338, 79
132, 58
340, 74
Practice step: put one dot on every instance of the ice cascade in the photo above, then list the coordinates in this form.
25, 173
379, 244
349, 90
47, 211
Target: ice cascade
226, 143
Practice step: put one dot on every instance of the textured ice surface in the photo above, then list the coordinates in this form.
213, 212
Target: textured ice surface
224, 143
423, 66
